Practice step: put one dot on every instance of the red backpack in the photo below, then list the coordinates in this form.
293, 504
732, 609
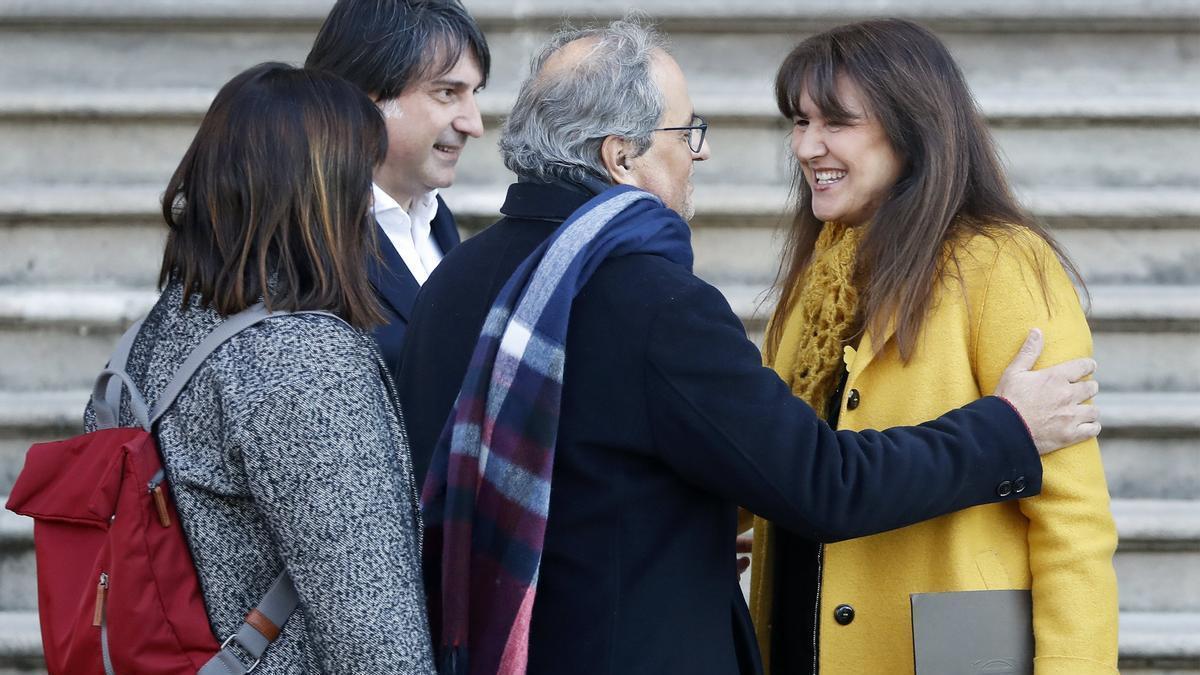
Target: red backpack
117, 589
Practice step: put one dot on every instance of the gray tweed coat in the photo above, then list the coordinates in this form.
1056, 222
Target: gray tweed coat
285, 450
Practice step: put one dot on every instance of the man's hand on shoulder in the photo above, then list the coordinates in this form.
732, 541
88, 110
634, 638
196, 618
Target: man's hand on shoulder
1051, 400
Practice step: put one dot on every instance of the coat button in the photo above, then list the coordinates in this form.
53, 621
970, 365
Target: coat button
853, 400
1019, 485
1004, 489
844, 614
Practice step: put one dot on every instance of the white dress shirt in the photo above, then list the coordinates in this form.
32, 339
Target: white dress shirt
410, 233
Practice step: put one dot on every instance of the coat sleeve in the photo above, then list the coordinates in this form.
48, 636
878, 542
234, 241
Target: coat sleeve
732, 427
1072, 537
323, 469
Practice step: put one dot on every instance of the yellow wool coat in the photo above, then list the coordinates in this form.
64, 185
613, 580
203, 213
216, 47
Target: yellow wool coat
1060, 543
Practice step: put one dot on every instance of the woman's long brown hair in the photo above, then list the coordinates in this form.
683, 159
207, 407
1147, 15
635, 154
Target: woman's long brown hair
272, 199
952, 184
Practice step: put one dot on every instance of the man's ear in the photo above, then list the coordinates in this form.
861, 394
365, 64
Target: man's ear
615, 154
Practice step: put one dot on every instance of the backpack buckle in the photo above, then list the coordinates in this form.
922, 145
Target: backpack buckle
229, 640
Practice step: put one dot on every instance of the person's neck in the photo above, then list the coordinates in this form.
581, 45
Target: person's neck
403, 197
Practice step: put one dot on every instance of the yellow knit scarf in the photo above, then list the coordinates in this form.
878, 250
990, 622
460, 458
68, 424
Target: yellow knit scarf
822, 319
809, 358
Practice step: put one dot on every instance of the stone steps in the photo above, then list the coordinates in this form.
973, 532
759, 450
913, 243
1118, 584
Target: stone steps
132, 143
20, 644
57, 338
190, 104
1151, 444
1097, 46
87, 233
1056, 89
1158, 643
747, 205
18, 588
1164, 14
54, 337
1159, 539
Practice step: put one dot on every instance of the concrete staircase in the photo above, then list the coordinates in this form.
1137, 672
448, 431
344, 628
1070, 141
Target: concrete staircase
1095, 103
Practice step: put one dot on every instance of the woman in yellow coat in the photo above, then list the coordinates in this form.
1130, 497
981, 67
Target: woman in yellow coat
909, 279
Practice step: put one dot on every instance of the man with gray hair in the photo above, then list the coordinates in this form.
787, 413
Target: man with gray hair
591, 414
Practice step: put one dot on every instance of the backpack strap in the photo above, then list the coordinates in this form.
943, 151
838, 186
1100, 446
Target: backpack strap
108, 405
224, 330
106, 394
259, 629
120, 354
108, 384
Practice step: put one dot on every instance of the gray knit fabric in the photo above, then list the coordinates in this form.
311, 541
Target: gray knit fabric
284, 450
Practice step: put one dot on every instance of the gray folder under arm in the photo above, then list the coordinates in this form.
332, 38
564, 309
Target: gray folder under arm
973, 633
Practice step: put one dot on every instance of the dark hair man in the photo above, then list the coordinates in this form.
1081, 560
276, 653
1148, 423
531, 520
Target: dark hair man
422, 62
666, 419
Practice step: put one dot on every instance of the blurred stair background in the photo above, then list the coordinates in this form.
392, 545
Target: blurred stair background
1095, 103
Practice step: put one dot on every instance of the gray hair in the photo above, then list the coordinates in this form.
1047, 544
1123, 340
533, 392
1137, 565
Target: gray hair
560, 120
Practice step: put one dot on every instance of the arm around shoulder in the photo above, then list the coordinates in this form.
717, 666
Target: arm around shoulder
725, 422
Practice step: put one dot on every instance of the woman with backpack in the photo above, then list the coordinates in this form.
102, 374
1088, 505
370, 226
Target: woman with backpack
909, 279
286, 450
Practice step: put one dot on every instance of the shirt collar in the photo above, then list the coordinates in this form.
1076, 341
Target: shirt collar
423, 208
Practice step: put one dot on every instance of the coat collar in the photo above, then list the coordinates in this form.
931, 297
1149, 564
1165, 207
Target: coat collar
868, 350
530, 199
443, 227
391, 278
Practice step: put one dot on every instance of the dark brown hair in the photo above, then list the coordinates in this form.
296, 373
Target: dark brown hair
951, 186
272, 199
385, 45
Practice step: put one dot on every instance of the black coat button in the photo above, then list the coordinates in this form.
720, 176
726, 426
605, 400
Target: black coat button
1004, 489
1019, 485
853, 400
844, 614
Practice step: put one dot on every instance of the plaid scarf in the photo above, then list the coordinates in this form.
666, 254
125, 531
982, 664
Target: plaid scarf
487, 495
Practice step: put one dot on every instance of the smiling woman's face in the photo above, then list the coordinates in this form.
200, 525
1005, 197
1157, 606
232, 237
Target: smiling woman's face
849, 164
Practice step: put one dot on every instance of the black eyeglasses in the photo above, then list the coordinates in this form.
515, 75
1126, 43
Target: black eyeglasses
699, 128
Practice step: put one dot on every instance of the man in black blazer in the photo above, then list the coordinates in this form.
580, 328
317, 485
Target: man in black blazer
422, 62
668, 420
